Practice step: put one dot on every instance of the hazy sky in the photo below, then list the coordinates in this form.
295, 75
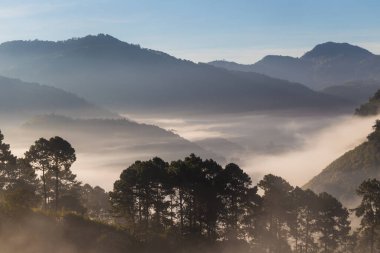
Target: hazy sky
200, 30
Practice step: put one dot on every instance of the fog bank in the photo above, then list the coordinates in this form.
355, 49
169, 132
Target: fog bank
294, 147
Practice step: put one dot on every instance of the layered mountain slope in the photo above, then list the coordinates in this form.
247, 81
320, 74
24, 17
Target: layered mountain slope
325, 65
356, 91
343, 176
122, 139
108, 71
19, 99
371, 108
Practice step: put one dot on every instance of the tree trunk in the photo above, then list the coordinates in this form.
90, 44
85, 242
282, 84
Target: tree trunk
146, 210
271, 232
181, 209
56, 189
157, 207
372, 238
307, 236
191, 213
278, 229
44, 187
140, 207
171, 210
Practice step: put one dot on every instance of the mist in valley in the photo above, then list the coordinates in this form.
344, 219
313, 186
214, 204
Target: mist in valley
109, 145
296, 147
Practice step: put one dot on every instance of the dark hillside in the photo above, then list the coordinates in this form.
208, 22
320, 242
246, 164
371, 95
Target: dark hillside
343, 176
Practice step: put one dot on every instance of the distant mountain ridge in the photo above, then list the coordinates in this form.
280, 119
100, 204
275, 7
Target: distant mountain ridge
325, 65
81, 46
356, 91
19, 99
107, 71
122, 139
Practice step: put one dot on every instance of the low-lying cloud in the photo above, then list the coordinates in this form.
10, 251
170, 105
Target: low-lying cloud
294, 147
318, 150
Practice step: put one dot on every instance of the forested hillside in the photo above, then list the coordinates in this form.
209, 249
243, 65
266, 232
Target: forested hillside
342, 177
189, 205
370, 108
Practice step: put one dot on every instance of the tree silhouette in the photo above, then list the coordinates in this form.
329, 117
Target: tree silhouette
52, 156
38, 157
22, 187
333, 223
7, 162
18, 182
196, 197
190, 204
369, 210
96, 201
277, 208
303, 219
235, 196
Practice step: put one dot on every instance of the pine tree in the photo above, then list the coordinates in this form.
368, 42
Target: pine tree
369, 211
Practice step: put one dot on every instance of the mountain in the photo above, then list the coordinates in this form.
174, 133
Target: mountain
330, 50
106, 146
325, 65
231, 65
122, 76
118, 134
19, 99
343, 176
371, 108
356, 91
223, 147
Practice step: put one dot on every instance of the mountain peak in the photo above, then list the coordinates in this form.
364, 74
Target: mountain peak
100, 38
43, 46
333, 49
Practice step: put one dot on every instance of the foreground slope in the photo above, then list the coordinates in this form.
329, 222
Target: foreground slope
40, 233
325, 65
123, 76
19, 99
343, 176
